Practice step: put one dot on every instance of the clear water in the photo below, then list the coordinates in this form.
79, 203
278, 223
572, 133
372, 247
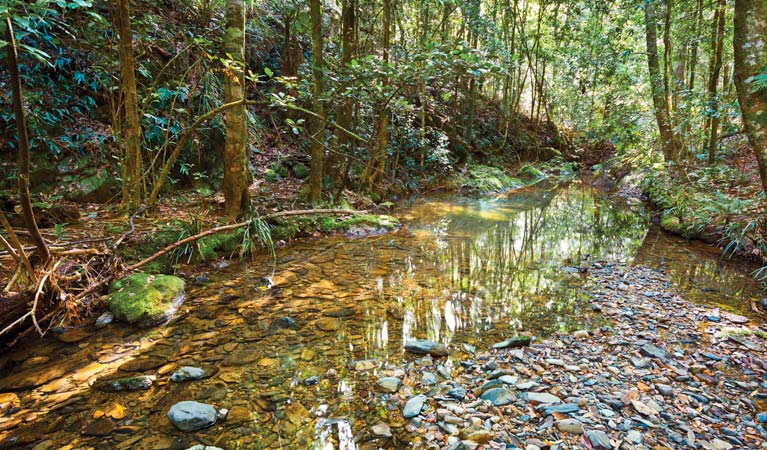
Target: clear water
461, 271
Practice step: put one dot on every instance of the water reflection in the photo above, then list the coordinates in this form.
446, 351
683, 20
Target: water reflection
698, 270
481, 265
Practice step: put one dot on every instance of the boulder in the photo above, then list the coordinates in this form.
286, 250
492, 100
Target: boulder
191, 416
145, 300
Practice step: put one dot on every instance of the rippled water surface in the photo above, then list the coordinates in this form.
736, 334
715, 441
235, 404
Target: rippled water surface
460, 271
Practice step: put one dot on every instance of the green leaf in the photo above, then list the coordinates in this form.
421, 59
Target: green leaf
268, 72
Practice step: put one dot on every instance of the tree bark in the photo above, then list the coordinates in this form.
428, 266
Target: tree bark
717, 45
317, 151
235, 183
751, 59
695, 44
383, 122
23, 150
131, 130
660, 105
348, 19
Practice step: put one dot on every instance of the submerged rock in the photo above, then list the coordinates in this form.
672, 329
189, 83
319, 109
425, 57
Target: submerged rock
388, 384
191, 416
100, 427
515, 342
424, 347
188, 373
125, 384
145, 300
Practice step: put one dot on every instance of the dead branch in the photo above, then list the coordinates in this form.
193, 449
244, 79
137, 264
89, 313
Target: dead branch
304, 212
15, 241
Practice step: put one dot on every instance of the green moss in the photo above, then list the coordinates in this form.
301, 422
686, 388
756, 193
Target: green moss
673, 225
300, 171
529, 172
145, 299
378, 221
271, 176
739, 332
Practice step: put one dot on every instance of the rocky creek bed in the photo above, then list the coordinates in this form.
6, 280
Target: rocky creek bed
473, 327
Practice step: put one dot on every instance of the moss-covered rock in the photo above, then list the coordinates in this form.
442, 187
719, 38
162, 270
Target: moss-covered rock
530, 172
300, 171
145, 300
98, 187
271, 176
672, 224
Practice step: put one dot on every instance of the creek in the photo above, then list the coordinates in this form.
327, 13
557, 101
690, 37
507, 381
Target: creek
292, 345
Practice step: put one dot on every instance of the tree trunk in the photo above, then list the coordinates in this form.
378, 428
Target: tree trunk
717, 45
131, 130
235, 184
383, 123
750, 60
348, 19
694, 50
317, 151
656, 83
23, 154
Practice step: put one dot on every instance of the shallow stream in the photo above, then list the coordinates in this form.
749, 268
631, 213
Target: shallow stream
464, 272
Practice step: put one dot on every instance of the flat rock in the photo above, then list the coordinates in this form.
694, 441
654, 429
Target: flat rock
599, 440
413, 406
128, 384
99, 427
381, 430
191, 416
188, 373
653, 351
572, 426
498, 396
476, 434
327, 324
515, 342
388, 384
424, 347
543, 397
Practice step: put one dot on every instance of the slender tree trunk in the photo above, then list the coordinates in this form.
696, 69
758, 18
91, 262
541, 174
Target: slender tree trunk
713, 100
23, 150
317, 151
348, 19
751, 59
383, 122
235, 185
695, 43
131, 160
660, 104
